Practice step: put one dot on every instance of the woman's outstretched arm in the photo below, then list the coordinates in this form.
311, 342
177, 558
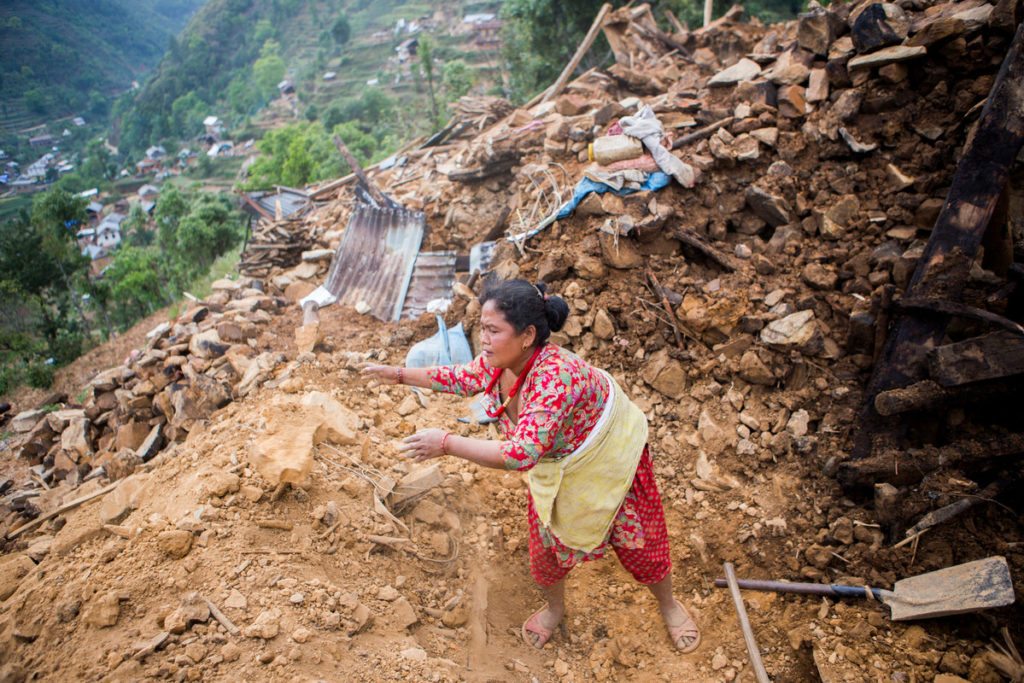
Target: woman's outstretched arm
433, 443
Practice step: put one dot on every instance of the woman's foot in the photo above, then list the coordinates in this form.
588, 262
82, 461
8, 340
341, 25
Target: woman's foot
682, 629
537, 630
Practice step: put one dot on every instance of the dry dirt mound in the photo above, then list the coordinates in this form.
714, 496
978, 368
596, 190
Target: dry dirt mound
739, 313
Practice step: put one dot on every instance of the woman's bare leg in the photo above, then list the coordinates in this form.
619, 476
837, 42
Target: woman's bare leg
552, 615
673, 614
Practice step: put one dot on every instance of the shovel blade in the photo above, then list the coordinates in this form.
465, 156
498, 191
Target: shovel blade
962, 588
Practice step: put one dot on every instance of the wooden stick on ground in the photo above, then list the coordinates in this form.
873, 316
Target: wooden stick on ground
702, 133
222, 618
748, 633
667, 306
62, 509
582, 50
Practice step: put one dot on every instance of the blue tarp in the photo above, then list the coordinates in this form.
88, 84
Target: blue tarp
655, 181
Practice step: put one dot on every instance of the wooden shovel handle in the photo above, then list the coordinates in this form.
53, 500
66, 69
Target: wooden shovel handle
831, 589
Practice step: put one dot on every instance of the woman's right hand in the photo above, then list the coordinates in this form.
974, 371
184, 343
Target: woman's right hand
385, 374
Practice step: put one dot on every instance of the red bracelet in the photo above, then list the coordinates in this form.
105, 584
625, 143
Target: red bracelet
400, 375
444, 443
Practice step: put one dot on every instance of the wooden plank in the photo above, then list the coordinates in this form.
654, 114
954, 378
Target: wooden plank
952, 308
38, 521
991, 356
358, 170
582, 50
907, 467
942, 271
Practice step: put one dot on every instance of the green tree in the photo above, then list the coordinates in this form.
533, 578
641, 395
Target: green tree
268, 70
424, 51
56, 217
457, 78
263, 31
131, 285
294, 155
341, 30
171, 207
187, 114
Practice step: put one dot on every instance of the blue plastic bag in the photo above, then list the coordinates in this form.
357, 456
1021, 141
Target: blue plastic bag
447, 347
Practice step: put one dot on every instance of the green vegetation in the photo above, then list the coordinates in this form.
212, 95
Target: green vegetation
69, 57
51, 309
304, 153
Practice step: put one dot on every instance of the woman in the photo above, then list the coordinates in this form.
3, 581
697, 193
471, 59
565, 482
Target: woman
591, 482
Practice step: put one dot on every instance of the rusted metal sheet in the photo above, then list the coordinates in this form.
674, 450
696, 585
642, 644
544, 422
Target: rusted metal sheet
265, 203
432, 278
374, 262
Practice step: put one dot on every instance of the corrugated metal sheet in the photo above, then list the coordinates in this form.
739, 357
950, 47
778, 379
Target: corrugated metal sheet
375, 259
432, 278
292, 201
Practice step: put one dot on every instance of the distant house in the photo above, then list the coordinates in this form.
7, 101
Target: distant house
487, 32
479, 18
147, 166
328, 76
223, 148
42, 140
37, 170
86, 194
156, 152
214, 126
148, 207
94, 208
286, 87
406, 50
148, 190
373, 81
78, 121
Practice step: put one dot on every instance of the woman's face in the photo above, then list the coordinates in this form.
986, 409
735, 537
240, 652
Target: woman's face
503, 347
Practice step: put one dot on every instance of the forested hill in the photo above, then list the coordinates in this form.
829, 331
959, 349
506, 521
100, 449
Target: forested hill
65, 57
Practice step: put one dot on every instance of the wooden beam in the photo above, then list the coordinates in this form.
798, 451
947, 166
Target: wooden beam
674, 20
702, 133
951, 308
991, 356
38, 521
715, 255
907, 467
582, 50
358, 170
942, 271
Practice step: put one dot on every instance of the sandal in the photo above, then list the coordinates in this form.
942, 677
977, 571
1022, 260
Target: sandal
533, 625
688, 630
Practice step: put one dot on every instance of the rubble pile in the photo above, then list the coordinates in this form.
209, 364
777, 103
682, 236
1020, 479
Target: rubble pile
189, 368
743, 306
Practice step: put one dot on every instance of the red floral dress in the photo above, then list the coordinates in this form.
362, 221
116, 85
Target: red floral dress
560, 402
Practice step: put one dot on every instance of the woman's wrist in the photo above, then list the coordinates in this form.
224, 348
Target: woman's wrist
399, 375
444, 443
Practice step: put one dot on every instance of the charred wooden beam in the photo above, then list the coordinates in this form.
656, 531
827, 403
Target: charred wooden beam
905, 467
942, 271
951, 308
991, 356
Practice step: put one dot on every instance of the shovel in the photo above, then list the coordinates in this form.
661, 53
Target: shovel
961, 588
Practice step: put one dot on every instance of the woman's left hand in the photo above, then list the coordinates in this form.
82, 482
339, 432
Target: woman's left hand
423, 445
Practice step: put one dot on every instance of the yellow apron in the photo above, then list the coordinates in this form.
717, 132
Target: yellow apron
578, 496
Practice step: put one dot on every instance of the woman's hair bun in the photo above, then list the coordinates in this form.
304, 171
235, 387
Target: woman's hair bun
556, 310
